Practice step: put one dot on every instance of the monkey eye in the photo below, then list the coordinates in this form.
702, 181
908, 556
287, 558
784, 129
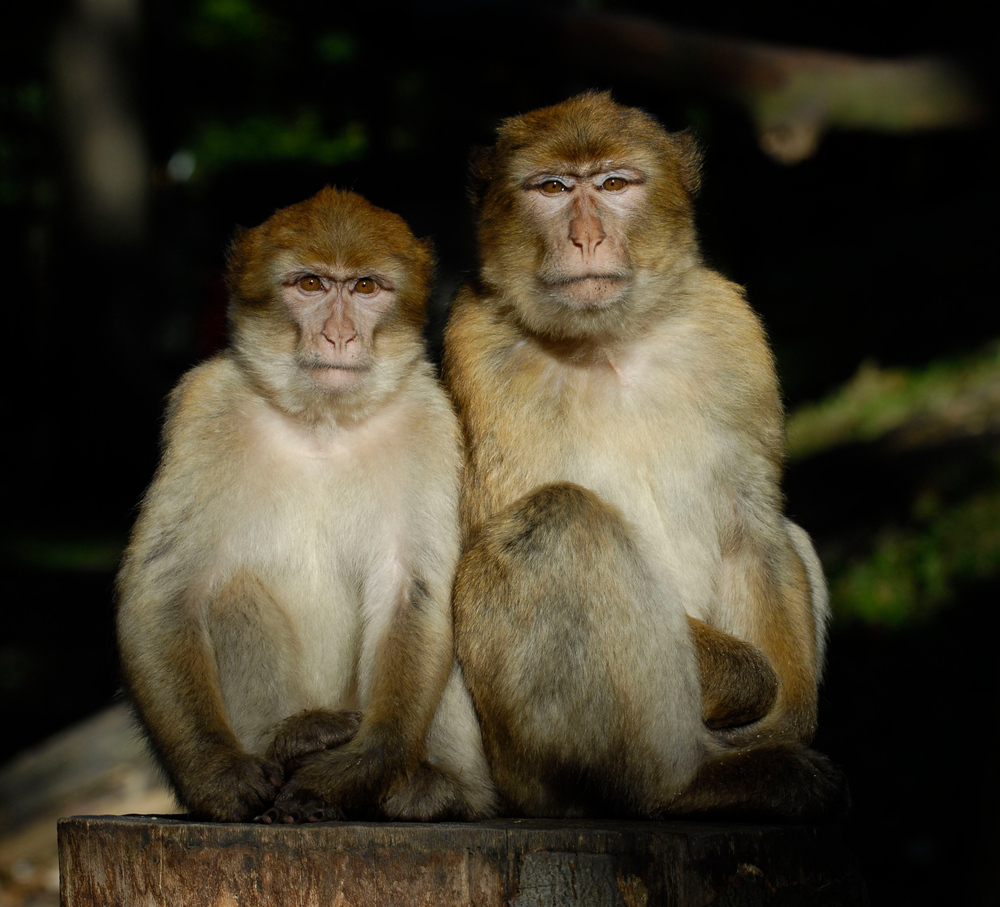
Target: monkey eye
614, 184
309, 284
553, 187
366, 286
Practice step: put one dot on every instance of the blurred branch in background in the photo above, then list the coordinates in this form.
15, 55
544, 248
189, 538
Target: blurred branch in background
92, 84
793, 95
948, 399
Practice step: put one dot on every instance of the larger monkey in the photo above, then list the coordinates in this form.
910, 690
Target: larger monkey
641, 629
294, 556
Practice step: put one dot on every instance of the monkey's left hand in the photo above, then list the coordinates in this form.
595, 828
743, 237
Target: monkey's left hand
351, 779
309, 732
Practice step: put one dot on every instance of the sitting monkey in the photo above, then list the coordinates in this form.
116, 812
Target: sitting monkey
284, 617
641, 628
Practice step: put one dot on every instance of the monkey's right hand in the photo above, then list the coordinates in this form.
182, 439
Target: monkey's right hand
311, 731
234, 787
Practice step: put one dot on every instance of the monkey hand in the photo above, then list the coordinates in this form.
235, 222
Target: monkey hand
311, 731
351, 779
234, 787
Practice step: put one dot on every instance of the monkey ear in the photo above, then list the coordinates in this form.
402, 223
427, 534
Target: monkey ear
235, 255
246, 283
427, 259
480, 174
689, 158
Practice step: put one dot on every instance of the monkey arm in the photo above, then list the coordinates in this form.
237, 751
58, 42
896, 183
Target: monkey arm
766, 769
767, 595
171, 675
411, 664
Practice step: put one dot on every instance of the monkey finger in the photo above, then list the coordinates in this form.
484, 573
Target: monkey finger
274, 774
291, 813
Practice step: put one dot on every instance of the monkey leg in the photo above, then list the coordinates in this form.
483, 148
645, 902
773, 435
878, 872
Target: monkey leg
253, 652
349, 780
215, 777
427, 793
404, 667
580, 663
454, 781
430, 791
793, 783
256, 655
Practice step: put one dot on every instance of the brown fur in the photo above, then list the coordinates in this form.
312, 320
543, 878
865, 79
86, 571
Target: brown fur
632, 608
283, 614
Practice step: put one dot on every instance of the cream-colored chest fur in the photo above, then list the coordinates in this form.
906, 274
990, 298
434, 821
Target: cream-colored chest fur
335, 523
624, 426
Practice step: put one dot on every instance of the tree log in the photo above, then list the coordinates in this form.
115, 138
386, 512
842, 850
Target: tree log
147, 861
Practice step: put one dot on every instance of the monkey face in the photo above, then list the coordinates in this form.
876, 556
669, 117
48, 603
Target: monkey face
328, 295
336, 314
581, 216
584, 207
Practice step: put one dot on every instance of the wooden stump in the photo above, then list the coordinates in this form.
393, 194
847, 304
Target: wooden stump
135, 861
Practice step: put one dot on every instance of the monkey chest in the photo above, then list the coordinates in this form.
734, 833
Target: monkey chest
625, 442
656, 458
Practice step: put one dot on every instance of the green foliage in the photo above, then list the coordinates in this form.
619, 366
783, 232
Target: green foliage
911, 571
22, 110
218, 23
259, 124
335, 47
910, 567
265, 137
54, 554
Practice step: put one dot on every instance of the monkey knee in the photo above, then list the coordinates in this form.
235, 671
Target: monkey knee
562, 506
559, 524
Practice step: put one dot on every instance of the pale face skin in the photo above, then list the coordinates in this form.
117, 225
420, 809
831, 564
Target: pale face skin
583, 212
337, 313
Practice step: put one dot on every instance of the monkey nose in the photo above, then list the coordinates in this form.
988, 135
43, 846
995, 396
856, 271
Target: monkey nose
339, 339
587, 236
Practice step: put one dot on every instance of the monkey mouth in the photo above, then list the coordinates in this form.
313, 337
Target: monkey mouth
583, 278
338, 377
330, 361
589, 291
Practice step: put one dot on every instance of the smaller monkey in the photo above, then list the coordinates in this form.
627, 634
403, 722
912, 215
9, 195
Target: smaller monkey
283, 613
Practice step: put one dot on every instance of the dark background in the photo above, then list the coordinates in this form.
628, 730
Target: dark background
873, 250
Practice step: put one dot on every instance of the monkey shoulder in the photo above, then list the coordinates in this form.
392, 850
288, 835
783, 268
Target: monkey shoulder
728, 327
429, 407
211, 393
476, 334
719, 341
